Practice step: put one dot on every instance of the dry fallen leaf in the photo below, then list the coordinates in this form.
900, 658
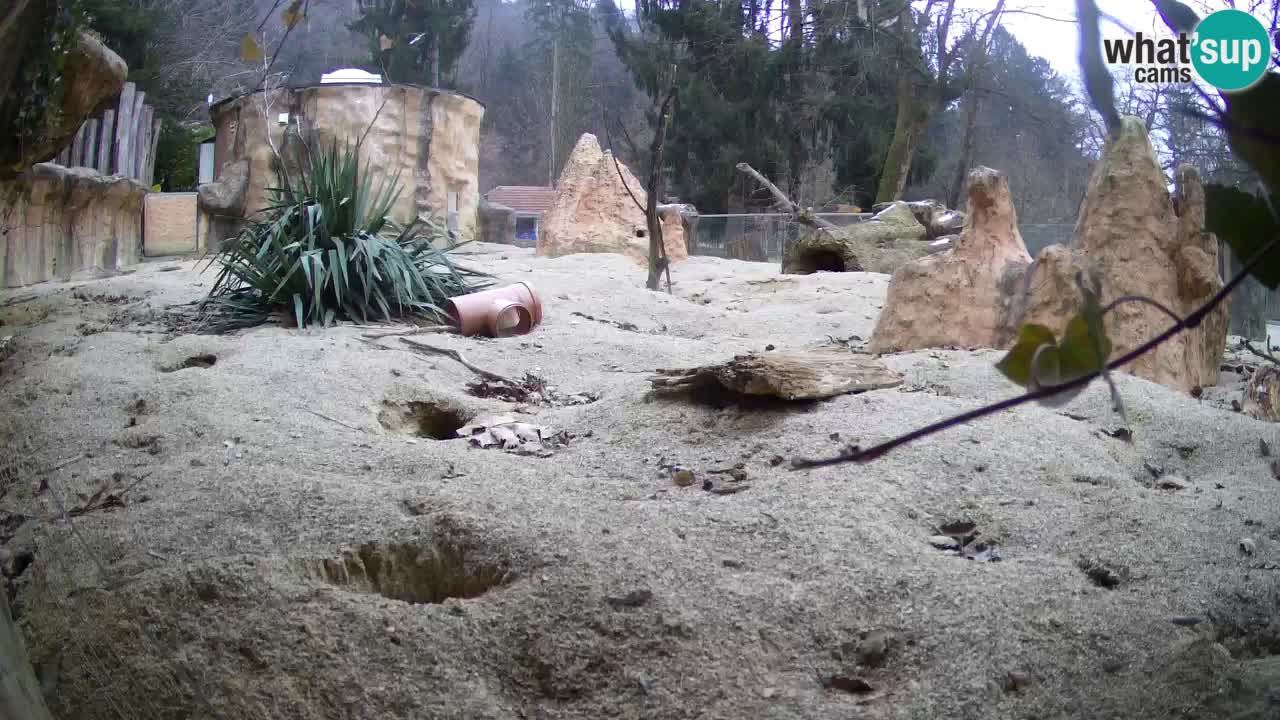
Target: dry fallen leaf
292, 15
250, 50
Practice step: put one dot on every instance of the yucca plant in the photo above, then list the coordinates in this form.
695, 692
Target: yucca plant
325, 250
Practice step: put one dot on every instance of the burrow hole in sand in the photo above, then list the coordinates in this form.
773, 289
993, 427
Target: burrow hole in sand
422, 418
204, 361
430, 572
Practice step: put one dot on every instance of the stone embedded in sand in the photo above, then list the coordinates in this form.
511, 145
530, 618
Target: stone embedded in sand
882, 244
1130, 233
965, 296
593, 212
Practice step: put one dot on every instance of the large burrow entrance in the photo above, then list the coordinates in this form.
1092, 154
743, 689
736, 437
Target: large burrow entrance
417, 573
422, 418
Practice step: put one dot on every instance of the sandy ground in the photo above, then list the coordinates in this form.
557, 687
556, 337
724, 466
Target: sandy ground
239, 469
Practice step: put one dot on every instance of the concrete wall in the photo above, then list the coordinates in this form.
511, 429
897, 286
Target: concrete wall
429, 138
169, 224
62, 223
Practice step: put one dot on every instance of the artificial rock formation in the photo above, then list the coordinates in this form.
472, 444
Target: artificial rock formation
1129, 232
91, 73
65, 223
966, 296
221, 204
428, 139
594, 213
882, 244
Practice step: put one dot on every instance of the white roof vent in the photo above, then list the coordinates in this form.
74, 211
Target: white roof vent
350, 75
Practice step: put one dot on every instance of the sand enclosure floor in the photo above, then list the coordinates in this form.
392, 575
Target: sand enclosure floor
265, 526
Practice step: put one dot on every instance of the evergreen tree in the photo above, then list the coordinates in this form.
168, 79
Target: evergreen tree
416, 41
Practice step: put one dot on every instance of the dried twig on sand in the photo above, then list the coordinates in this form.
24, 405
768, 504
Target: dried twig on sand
426, 329
334, 420
424, 348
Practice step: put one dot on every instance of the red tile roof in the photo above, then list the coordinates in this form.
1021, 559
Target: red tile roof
523, 198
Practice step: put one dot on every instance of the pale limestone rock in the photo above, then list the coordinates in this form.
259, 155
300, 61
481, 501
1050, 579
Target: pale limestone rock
964, 296
594, 213
886, 242
1129, 232
68, 223
428, 139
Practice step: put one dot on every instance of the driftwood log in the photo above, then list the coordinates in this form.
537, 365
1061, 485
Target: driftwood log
807, 374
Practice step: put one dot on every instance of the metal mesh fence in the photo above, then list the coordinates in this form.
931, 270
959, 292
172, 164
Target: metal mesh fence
762, 237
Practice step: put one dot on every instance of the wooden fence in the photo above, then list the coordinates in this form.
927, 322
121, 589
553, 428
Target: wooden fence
119, 140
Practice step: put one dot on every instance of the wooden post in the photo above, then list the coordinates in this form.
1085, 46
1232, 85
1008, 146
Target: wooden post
91, 144
77, 148
106, 142
156, 127
135, 141
120, 163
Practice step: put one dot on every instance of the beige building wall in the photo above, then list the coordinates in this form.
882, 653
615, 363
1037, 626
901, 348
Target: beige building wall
169, 224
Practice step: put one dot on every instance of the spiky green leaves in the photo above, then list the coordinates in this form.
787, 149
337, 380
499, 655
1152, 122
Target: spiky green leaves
326, 250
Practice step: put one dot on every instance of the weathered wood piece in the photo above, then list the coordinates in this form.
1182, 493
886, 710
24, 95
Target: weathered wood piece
808, 374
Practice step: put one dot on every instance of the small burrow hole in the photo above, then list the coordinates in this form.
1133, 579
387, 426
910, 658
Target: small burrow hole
414, 573
421, 418
203, 361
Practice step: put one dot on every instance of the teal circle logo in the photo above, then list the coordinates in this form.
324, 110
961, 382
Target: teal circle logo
1232, 50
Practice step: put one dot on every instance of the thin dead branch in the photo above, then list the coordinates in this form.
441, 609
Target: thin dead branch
457, 356
780, 199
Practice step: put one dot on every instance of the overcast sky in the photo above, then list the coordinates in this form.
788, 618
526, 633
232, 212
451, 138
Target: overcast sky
1047, 27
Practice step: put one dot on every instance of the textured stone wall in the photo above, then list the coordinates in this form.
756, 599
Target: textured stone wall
61, 223
429, 139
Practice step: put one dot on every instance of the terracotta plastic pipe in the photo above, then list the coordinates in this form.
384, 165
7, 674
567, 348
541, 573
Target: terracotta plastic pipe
498, 312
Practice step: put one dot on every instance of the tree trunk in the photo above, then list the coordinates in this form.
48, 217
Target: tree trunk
658, 261
913, 118
967, 150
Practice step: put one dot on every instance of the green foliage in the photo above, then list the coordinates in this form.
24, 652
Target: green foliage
326, 250
178, 155
1247, 223
825, 90
416, 41
1038, 360
31, 68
